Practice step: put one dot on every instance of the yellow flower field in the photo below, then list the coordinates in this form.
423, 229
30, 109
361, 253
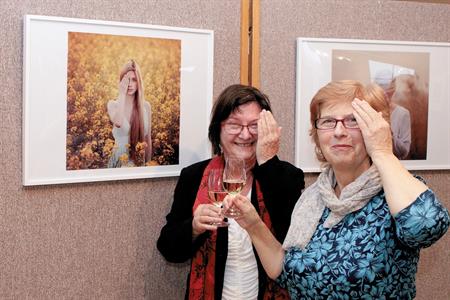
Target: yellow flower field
94, 62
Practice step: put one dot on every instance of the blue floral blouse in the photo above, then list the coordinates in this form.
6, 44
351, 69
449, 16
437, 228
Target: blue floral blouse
368, 255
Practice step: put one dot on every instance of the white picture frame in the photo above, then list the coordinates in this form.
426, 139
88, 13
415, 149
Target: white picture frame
45, 94
320, 61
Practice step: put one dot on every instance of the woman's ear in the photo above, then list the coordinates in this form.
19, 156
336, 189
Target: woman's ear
319, 153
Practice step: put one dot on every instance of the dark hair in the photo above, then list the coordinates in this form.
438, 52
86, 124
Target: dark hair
229, 100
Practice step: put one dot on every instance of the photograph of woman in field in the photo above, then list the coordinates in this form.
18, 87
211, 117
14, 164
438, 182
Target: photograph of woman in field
131, 116
404, 76
123, 101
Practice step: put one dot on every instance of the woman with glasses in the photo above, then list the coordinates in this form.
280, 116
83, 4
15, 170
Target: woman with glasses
356, 233
223, 263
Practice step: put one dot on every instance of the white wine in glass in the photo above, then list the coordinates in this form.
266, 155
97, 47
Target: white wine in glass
216, 192
234, 178
217, 197
233, 186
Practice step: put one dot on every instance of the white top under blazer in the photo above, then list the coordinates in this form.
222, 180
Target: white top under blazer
241, 270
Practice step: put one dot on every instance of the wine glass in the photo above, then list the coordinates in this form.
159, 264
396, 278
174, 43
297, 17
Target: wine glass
234, 178
216, 193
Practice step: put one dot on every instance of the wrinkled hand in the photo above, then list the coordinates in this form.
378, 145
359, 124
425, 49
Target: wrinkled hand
269, 134
375, 130
204, 216
248, 216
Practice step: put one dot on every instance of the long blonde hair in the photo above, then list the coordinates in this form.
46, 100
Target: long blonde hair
137, 128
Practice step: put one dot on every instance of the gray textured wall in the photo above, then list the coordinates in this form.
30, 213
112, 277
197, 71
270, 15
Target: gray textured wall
97, 240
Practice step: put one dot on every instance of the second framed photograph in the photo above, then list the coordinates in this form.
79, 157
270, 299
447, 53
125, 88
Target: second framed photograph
415, 77
110, 100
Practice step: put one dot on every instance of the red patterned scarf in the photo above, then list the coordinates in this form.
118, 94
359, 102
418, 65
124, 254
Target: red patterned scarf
201, 285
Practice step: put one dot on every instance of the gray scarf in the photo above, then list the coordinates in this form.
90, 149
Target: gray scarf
309, 208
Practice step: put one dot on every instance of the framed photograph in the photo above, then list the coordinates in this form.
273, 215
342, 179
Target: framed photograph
415, 77
111, 100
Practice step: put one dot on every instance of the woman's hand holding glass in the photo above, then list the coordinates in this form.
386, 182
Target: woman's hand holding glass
209, 216
248, 216
205, 216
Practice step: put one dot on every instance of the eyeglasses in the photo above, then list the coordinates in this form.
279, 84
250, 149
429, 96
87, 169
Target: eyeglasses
233, 128
349, 122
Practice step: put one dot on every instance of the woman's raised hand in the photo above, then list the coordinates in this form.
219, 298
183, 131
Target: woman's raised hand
400, 187
374, 128
268, 137
248, 216
123, 86
204, 216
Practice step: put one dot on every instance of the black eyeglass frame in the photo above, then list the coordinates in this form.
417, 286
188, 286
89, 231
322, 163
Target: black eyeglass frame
344, 121
251, 128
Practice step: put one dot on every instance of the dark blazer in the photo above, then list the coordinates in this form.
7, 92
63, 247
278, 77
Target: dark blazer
281, 184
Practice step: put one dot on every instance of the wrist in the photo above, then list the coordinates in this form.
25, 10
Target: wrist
195, 233
256, 227
263, 160
382, 156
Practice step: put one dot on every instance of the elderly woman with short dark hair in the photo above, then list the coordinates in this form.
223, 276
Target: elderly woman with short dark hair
224, 264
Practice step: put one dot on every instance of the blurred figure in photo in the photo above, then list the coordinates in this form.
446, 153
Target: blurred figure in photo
400, 116
411, 92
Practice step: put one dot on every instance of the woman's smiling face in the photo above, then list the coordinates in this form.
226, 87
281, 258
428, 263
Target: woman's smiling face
243, 144
342, 147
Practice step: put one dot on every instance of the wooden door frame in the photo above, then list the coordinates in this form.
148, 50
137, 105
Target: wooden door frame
250, 29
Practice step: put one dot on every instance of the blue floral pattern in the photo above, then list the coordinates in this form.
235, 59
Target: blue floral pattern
368, 255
